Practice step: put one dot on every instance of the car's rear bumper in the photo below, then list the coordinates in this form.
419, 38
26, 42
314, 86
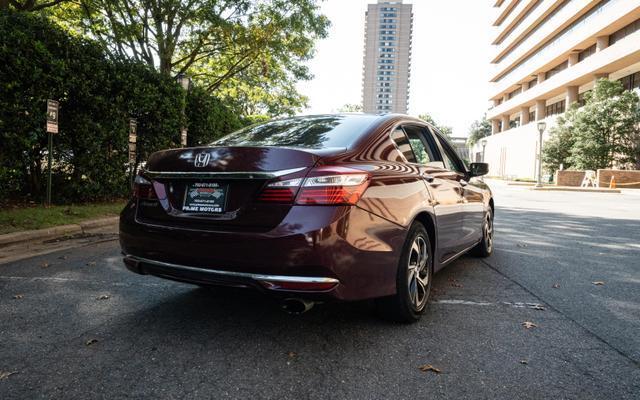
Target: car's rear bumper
342, 253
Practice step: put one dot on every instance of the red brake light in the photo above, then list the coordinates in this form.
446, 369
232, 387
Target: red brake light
333, 185
281, 191
143, 189
323, 186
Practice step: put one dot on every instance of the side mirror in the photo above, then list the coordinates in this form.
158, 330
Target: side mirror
478, 169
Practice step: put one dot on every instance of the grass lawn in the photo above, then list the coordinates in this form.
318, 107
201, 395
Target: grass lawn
38, 217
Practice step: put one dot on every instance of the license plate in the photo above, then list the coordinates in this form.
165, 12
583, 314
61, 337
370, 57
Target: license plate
205, 197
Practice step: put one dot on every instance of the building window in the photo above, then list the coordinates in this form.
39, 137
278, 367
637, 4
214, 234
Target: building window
557, 69
514, 93
631, 82
586, 53
555, 108
624, 32
532, 116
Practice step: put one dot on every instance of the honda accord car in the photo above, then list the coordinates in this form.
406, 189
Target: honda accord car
312, 209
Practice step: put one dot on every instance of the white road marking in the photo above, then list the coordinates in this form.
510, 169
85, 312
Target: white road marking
517, 304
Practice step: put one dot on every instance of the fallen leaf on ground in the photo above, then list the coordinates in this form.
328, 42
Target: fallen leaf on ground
6, 374
103, 297
555, 285
44, 265
598, 283
90, 342
292, 354
91, 264
529, 324
429, 367
18, 296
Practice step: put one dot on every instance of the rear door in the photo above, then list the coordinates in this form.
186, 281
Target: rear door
444, 190
472, 201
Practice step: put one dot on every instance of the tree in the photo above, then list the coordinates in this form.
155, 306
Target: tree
605, 130
28, 5
446, 131
245, 50
347, 108
479, 129
602, 134
556, 151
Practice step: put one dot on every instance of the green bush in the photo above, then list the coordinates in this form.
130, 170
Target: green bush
97, 96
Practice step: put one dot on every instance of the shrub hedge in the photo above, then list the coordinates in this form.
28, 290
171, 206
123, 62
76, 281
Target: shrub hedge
97, 96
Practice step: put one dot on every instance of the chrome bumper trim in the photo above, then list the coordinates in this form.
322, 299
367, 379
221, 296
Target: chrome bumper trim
256, 277
221, 175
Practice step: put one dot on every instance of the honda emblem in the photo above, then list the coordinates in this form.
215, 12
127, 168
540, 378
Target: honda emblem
202, 160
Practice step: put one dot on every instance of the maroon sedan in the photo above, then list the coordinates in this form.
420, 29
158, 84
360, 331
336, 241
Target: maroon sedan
312, 209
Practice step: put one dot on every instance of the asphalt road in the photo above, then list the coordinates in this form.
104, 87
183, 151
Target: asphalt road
82, 327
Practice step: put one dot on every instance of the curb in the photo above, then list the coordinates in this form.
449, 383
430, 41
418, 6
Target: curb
574, 189
56, 231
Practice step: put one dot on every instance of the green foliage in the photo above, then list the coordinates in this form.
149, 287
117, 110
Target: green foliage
245, 51
347, 108
446, 131
97, 97
606, 128
479, 129
602, 134
208, 118
28, 5
556, 151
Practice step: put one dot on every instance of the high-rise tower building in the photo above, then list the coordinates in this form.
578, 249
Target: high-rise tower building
387, 57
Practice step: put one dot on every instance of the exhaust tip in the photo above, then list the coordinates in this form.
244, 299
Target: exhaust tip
296, 306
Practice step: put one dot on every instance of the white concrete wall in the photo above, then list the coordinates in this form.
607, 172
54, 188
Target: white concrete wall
513, 153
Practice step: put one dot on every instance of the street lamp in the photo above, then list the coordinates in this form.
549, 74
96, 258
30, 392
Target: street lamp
541, 128
484, 145
185, 82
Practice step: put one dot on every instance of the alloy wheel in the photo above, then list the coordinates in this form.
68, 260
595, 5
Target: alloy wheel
488, 232
418, 273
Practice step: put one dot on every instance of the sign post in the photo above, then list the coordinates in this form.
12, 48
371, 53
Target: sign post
133, 138
52, 127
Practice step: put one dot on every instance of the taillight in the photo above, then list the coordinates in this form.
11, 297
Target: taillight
281, 191
323, 186
143, 188
345, 188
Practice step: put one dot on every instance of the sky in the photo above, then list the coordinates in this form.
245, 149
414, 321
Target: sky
449, 68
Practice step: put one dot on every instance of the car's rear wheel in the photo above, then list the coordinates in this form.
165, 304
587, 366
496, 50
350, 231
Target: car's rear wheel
485, 247
413, 283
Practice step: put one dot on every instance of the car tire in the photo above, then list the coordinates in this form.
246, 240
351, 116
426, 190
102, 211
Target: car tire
413, 279
485, 247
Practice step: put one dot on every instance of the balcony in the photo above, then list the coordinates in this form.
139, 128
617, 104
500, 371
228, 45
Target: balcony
613, 58
612, 12
515, 15
526, 25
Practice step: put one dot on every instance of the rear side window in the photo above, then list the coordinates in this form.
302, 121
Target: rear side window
450, 159
421, 148
314, 132
401, 140
413, 144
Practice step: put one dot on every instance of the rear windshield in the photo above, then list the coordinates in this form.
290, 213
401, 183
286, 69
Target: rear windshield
313, 132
